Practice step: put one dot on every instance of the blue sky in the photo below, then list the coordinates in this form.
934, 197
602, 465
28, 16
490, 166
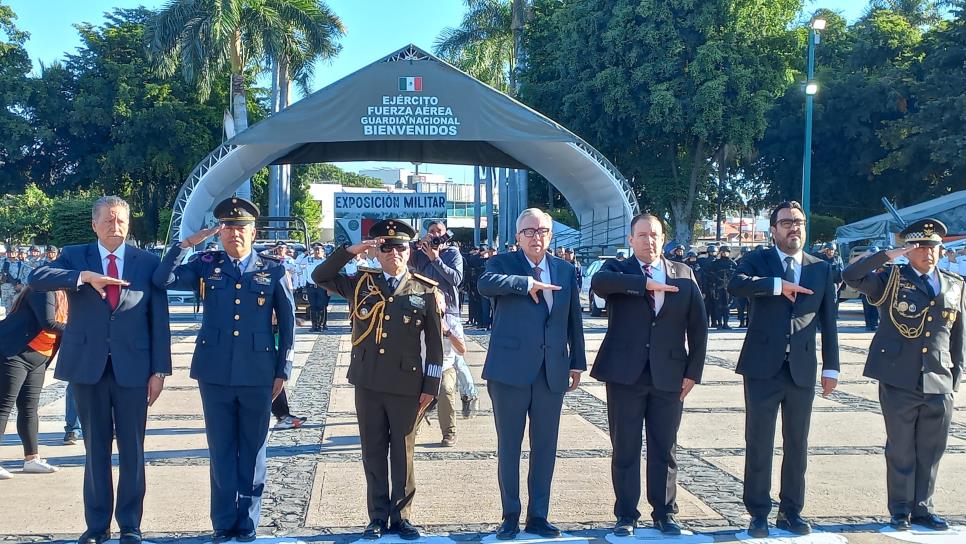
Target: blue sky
374, 28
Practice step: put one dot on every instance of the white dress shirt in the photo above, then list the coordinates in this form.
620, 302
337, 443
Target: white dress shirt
544, 278
659, 275
797, 260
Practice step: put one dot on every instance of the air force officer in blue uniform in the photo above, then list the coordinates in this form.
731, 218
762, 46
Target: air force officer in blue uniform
236, 362
115, 352
536, 353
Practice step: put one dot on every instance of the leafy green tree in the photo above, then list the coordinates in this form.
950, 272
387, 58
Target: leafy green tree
16, 133
73, 219
483, 44
25, 217
660, 87
330, 173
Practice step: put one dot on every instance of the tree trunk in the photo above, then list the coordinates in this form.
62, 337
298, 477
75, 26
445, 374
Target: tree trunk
239, 104
519, 21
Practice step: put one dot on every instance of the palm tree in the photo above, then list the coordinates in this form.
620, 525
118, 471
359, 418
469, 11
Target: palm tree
486, 44
203, 38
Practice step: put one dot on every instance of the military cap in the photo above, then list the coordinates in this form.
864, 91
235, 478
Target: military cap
828, 245
692, 253
34, 248
236, 212
724, 249
281, 243
317, 244
712, 248
393, 232
211, 246
925, 232
48, 249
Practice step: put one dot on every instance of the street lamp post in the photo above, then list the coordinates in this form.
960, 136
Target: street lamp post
811, 87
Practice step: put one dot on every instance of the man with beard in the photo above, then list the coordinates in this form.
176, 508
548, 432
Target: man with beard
791, 292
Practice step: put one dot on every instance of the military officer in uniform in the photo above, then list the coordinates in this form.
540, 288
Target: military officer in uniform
236, 361
318, 297
917, 356
394, 311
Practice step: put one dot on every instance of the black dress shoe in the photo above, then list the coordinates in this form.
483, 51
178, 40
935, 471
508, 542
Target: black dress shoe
625, 526
245, 536
509, 529
668, 526
793, 523
218, 537
900, 522
405, 530
931, 521
758, 528
94, 537
130, 536
541, 527
375, 530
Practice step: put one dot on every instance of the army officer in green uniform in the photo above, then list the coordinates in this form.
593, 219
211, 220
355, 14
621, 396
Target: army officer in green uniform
917, 357
393, 313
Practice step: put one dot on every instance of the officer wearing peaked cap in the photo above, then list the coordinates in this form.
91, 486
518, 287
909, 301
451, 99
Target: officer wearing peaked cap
917, 356
394, 311
236, 361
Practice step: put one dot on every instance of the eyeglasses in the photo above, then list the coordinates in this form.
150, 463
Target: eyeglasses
389, 248
789, 223
530, 233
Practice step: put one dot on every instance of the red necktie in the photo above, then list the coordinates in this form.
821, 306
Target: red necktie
650, 294
113, 291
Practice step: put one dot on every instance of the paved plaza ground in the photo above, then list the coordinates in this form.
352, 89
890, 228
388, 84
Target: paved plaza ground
316, 487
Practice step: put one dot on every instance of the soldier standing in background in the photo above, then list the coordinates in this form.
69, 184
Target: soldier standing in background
394, 312
318, 297
717, 274
917, 356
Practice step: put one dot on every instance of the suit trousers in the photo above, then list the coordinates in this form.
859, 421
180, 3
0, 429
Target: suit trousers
763, 399
105, 409
917, 426
629, 408
236, 424
387, 429
511, 407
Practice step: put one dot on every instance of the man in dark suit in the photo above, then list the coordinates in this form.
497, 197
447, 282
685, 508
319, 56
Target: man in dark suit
115, 352
791, 293
536, 353
239, 367
917, 355
654, 306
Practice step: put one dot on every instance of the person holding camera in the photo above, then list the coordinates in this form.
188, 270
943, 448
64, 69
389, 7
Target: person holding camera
434, 257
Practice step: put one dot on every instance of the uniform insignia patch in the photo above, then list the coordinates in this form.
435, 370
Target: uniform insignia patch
261, 300
903, 306
407, 319
417, 301
217, 271
263, 278
363, 312
912, 308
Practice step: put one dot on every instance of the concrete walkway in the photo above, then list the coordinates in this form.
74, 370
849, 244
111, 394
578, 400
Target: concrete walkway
316, 484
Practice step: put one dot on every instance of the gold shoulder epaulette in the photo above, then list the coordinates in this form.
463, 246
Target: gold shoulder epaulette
424, 279
368, 270
951, 273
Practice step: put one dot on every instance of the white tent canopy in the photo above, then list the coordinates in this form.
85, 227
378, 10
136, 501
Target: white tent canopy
950, 209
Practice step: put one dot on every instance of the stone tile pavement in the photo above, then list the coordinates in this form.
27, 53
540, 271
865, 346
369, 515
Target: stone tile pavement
316, 484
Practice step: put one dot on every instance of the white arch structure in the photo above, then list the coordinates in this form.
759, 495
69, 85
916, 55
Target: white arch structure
414, 107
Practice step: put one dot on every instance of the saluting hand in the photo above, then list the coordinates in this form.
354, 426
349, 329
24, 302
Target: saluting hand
100, 281
539, 286
200, 236
365, 245
658, 286
900, 251
792, 290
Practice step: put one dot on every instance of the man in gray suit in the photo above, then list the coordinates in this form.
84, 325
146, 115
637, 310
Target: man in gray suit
917, 356
536, 353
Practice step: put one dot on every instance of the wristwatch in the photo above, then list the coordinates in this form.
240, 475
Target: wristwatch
161, 375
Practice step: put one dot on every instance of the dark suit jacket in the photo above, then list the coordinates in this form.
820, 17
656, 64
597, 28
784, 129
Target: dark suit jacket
933, 360
776, 321
136, 335
635, 335
524, 337
34, 314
